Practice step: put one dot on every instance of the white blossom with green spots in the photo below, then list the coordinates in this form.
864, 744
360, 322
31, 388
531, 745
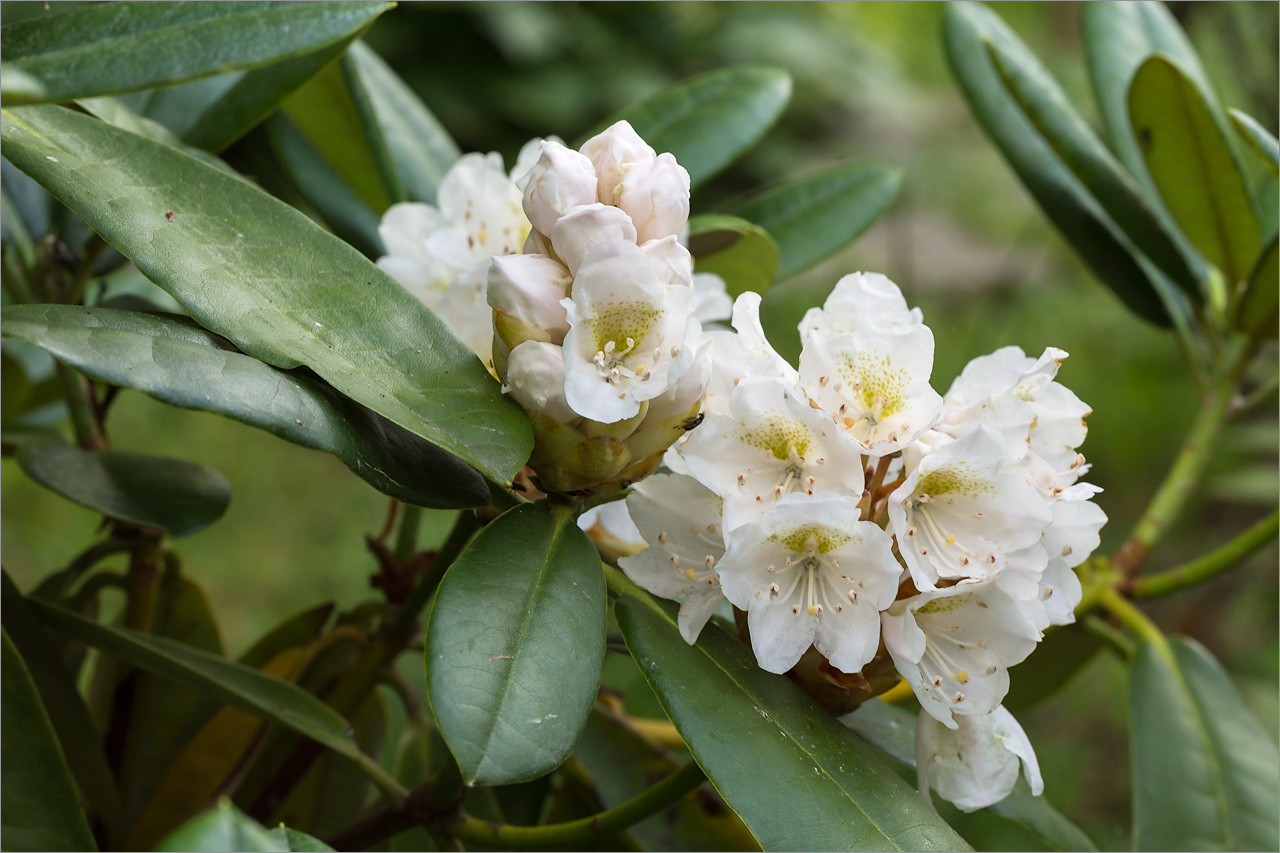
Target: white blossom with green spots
811, 572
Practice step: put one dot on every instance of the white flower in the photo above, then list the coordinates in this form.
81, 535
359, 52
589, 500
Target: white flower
671, 259
535, 379
954, 646
860, 299
810, 572
630, 334
441, 255
680, 520
611, 528
561, 180
974, 765
656, 195
769, 444
874, 382
1068, 541
745, 351
577, 231
530, 288
613, 153
961, 514
711, 301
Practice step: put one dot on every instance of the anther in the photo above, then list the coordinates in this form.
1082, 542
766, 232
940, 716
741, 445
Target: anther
959, 697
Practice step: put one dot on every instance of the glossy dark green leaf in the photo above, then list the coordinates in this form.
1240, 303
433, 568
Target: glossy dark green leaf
176, 361
1258, 308
707, 122
299, 630
1204, 771
515, 645
795, 775
969, 30
39, 809
816, 215
624, 765
1064, 652
893, 729
259, 272
740, 252
170, 494
1259, 139
126, 46
1192, 164
226, 828
1118, 36
239, 686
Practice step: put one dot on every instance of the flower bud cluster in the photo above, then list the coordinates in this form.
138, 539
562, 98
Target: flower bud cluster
597, 331
846, 507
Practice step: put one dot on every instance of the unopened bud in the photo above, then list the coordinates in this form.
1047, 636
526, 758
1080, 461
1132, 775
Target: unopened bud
562, 179
614, 152
656, 195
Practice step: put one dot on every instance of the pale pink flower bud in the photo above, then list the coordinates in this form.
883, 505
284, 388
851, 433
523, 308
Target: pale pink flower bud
530, 288
614, 152
583, 227
562, 179
656, 195
535, 379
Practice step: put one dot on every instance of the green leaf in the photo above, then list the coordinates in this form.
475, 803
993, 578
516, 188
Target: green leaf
173, 495
176, 361
1118, 37
1204, 772
1191, 162
814, 216
969, 31
1064, 651
227, 828
893, 729
515, 645
126, 46
19, 87
1258, 308
623, 765
299, 630
781, 762
709, 121
39, 809
263, 275
239, 686
1257, 138
292, 840
742, 254
67, 712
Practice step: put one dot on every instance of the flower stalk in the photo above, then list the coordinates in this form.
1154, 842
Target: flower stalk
1210, 565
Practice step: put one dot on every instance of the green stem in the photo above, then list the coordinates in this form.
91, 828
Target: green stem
1131, 617
407, 535
1210, 565
574, 833
83, 418
1117, 640
1181, 481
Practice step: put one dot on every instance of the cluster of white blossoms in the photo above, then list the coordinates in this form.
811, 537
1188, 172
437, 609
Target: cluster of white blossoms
848, 507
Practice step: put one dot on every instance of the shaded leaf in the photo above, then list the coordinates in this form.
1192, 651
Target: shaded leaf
515, 645
293, 840
1258, 308
125, 46
1204, 771
298, 630
969, 30
177, 362
1259, 139
39, 810
1191, 162
816, 215
794, 774
1064, 651
707, 122
226, 828
741, 253
259, 272
178, 497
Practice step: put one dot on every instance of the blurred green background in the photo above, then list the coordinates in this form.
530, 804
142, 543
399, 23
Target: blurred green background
963, 240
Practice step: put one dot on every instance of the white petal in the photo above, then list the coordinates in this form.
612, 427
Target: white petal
561, 180
535, 379
583, 227
671, 260
530, 288
613, 153
976, 764
711, 302
860, 299
656, 195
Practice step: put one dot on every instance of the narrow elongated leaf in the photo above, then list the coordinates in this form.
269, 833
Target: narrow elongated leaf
741, 253
1118, 36
709, 121
260, 273
1204, 772
796, 777
39, 810
1258, 308
126, 46
239, 686
1257, 138
515, 645
816, 215
227, 828
968, 30
176, 361
1191, 162
893, 729
173, 495
67, 712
